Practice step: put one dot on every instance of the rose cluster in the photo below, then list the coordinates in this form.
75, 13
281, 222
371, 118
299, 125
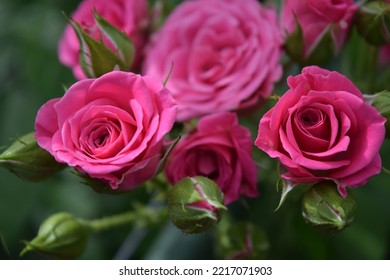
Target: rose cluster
210, 62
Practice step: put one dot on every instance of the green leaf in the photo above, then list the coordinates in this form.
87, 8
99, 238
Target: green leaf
294, 43
119, 39
163, 161
323, 50
318, 54
96, 58
97, 185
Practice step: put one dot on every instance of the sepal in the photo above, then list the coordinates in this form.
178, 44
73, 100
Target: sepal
96, 58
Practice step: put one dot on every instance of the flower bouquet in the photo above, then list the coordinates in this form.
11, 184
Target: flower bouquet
220, 129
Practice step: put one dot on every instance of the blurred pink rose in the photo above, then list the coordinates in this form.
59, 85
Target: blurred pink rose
225, 55
111, 127
321, 129
316, 17
221, 150
129, 16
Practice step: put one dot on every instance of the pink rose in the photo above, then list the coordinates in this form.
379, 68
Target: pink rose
129, 16
111, 127
317, 17
225, 55
322, 129
219, 149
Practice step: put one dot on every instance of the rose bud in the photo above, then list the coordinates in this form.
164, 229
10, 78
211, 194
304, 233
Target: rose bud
60, 236
316, 30
28, 161
382, 103
195, 204
325, 209
373, 22
102, 34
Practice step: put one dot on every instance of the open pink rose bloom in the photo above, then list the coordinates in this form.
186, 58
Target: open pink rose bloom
322, 129
221, 150
224, 55
110, 128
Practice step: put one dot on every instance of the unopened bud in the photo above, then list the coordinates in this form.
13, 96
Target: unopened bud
325, 209
28, 161
195, 204
60, 236
373, 22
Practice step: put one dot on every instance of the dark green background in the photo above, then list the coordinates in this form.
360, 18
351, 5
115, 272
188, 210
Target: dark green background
30, 74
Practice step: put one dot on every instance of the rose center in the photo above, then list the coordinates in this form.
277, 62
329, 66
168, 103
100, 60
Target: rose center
312, 129
207, 165
310, 117
101, 139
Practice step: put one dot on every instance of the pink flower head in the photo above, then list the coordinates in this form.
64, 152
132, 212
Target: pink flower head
221, 150
110, 128
316, 17
322, 129
225, 55
129, 16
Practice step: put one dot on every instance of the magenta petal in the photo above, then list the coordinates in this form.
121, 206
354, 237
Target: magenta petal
46, 124
360, 178
139, 173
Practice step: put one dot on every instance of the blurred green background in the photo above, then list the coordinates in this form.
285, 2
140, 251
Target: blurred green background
30, 74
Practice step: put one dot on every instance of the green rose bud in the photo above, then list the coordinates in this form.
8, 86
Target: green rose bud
325, 209
60, 236
381, 101
195, 204
373, 22
28, 161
